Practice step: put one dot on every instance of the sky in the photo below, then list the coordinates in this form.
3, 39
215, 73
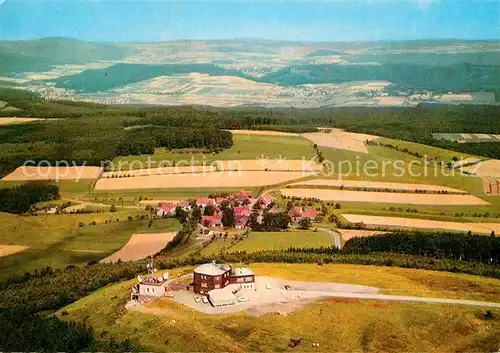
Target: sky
147, 21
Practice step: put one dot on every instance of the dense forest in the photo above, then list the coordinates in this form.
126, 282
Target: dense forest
91, 133
19, 199
444, 245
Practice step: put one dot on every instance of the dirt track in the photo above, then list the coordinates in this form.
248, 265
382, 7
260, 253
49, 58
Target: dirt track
415, 223
141, 246
353, 233
262, 132
384, 197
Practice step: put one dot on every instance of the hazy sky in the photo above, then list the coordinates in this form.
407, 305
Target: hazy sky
110, 20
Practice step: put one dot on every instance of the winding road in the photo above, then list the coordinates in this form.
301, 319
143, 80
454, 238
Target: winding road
335, 237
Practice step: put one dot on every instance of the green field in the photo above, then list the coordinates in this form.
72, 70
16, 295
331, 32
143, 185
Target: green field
337, 324
58, 240
378, 165
244, 147
270, 241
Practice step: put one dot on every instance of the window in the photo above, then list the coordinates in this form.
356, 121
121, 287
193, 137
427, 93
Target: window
217, 286
152, 290
248, 279
239, 279
217, 277
204, 285
147, 290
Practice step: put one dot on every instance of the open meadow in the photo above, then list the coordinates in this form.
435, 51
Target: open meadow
69, 239
245, 146
257, 241
363, 325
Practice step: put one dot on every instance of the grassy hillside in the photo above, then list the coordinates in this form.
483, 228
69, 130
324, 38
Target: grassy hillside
115, 76
256, 241
337, 324
58, 240
40, 55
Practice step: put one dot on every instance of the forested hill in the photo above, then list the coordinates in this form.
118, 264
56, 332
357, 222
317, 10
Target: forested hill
463, 77
96, 80
40, 55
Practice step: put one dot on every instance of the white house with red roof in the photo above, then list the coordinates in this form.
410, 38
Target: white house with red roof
204, 202
243, 196
166, 209
211, 221
297, 213
265, 200
242, 211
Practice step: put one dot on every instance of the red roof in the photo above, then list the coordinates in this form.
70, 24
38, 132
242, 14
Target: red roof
184, 204
310, 213
242, 221
211, 220
167, 206
295, 212
242, 211
204, 201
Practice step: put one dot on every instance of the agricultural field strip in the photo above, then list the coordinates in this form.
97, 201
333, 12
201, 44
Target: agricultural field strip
488, 168
340, 140
230, 165
214, 179
375, 185
413, 223
467, 137
6, 250
141, 246
18, 120
53, 173
262, 132
383, 197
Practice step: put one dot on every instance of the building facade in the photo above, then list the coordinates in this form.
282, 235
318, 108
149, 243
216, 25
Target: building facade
212, 276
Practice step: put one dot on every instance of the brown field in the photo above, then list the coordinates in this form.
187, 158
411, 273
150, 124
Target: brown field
413, 223
491, 186
353, 233
262, 132
384, 197
53, 173
489, 168
340, 139
376, 185
161, 171
269, 164
141, 246
215, 179
157, 201
6, 250
17, 120
466, 161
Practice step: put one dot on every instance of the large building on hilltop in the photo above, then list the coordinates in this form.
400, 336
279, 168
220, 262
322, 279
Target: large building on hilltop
212, 276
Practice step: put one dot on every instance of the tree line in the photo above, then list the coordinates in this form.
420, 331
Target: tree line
443, 245
19, 199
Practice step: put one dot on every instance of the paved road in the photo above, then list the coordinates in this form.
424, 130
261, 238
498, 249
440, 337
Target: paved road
335, 237
404, 298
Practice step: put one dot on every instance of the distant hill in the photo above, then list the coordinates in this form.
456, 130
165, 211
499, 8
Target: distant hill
323, 52
99, 80
456, 78
40, 55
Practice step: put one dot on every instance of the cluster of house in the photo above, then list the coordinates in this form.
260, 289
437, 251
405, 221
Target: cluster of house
241, 203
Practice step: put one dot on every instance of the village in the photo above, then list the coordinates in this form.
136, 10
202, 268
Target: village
232, 211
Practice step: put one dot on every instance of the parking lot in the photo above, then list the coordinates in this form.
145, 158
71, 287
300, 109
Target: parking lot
275, 299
